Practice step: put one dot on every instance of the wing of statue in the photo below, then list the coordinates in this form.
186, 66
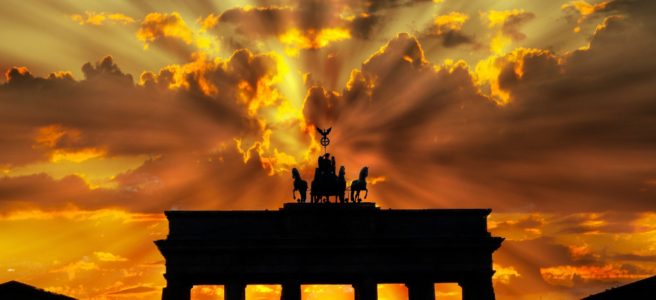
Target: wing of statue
320, 131
328, 130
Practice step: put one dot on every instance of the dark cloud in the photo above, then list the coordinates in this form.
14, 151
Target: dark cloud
397, 105
640, 9
577, 127
587, 223
43, 192
584, 14
375, 6
527, 257
219, 180
316, 14
635, 257
108, 110
18, 76
595, 99
412, 119
320, 106
105, 69
448, 28
453, 38
512, 24
307, 16
363, 26
21, 77
259, 21
178, 117
522, 228
265, 21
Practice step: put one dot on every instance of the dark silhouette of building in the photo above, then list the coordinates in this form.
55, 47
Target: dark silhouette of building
358, 244
644, 289
14, 290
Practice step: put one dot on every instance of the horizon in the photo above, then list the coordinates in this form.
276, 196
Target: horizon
112, 113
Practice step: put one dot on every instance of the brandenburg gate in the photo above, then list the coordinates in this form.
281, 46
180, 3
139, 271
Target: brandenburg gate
305, 243
325, 242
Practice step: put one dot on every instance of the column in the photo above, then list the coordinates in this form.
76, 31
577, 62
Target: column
421, 290
366, 290
234, 291
291, 291
176, 291
477, 287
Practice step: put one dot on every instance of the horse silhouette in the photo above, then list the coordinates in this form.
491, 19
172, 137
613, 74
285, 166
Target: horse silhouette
360, 185
300, 185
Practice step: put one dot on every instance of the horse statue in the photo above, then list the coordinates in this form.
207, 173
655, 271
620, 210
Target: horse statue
300, 185
360, 185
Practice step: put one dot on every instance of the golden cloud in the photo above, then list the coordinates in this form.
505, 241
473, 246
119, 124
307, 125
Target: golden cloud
62, 143
64, 75
566, 275
296, 40
208, 22
108, 257
99, 18
508, 23
584, 9
504, 274
75, 268
450, 22
647, 221
161, 25
497, 72
306, 26
248, 83
448, 28
517, 227
50, 136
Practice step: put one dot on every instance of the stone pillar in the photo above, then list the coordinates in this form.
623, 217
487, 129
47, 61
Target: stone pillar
291, 291
477, 287
176, 291
366, 290
234, 291
421, 290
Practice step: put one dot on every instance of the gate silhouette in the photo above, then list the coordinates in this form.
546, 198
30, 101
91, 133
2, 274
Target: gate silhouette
357, 244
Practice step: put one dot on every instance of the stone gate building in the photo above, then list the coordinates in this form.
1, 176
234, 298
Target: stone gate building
326, 243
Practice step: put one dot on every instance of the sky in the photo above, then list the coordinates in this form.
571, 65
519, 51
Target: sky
113, 111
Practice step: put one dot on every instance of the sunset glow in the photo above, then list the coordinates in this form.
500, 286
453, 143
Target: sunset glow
112, 112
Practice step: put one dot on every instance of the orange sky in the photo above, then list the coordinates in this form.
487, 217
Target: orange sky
111, 112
